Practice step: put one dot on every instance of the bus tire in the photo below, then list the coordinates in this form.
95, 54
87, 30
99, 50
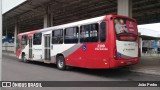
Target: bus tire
24, 58
61, 64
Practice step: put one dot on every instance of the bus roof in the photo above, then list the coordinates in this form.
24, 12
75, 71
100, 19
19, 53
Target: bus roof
82, 22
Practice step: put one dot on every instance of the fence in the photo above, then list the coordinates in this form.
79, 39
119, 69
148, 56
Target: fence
151, 52
8, 46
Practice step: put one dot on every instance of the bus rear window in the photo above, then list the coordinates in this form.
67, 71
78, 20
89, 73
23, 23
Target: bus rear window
125, 29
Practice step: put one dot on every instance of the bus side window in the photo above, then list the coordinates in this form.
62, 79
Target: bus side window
71, 35
94, 32
24, 40
37, 39
103, 31
57, 36
18, 43
89, 33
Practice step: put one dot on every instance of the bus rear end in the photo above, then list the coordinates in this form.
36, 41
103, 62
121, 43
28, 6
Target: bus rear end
125, 50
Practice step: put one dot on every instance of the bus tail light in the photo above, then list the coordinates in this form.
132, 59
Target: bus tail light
115, 53
139, 52
139, 47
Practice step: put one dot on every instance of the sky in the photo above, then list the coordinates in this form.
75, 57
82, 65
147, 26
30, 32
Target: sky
9, 4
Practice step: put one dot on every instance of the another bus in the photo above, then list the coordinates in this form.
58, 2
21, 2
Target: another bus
108, 41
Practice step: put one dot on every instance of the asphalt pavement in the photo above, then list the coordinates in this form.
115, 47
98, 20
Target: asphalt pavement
14, 70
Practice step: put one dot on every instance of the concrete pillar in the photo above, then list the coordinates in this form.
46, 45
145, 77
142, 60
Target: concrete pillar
125, 7
48, 18
6, 32
15, 36
51, 19
45, 22
0, 39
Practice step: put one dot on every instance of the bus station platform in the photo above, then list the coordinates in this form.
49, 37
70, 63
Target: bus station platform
147, 64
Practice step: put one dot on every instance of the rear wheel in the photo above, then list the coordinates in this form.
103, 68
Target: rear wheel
61, 63
24, 58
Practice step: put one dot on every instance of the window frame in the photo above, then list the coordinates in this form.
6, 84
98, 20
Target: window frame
89, 33
106, 31
25, 40
61, 32
77, 31
18, 43
34, 38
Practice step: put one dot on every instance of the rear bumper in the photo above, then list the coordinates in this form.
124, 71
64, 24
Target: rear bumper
117, 63
110, 63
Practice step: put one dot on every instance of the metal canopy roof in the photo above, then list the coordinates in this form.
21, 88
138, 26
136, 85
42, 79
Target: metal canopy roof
149, 37
30, 13
27, 6
148, 34
23, 8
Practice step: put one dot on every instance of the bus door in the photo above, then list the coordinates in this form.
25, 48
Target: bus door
30, 48
47, 51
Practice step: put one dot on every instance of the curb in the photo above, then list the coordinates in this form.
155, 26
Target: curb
9, 54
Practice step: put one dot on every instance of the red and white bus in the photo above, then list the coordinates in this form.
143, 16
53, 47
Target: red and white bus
103, 42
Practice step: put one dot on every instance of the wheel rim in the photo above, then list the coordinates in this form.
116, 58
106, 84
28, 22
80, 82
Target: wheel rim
60, 63
24, 58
